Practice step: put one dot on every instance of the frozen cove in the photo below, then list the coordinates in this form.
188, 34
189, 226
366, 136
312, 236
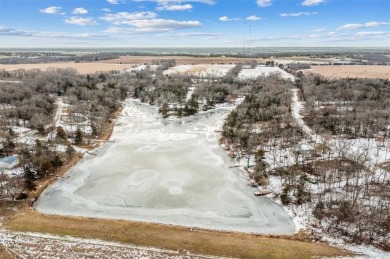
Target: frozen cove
165, 171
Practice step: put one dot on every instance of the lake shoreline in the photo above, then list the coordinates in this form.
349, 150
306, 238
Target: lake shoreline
170, 215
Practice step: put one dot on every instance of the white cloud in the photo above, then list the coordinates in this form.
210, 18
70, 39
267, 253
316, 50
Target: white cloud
80, 21
326, 39
169, 2
116, 1
297, 14
174, 7
199, 34
362, 25
313, 2
227, 19
14, 32
320, 30
253, 18
51, 10
80, 10
333, 34
37, 34
370, 33
264, 3
127, 18
107, 10
154, 25
207, 35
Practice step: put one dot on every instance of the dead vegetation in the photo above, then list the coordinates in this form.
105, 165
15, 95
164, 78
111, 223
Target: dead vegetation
171, 237
344, 71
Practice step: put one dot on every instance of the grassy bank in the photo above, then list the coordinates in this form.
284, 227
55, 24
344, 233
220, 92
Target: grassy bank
170, 237
4, 254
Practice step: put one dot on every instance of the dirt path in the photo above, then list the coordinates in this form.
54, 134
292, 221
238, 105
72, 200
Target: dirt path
296, 108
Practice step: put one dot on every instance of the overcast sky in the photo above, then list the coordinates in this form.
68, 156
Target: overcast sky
196, 23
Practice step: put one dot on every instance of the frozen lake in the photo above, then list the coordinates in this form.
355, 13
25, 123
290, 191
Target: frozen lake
166, 171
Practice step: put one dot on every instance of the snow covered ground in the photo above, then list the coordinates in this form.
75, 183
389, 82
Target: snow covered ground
142, 67
11, 81
167, 171
252, 73
31, 245
352, 148
200, 70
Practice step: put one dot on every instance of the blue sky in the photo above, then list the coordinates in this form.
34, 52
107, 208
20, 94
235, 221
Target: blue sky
194, 23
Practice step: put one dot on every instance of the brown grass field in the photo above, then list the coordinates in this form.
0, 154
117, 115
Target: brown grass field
82, 68
170, 237
4, 253
351, 71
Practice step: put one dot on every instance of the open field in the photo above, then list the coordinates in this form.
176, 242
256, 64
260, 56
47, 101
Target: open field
351, 71
170, 237
180, 60
38, 245
188, 60
83, 68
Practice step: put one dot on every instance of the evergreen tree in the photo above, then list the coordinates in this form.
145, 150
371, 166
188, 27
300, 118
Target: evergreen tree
70, 151
78, 139
61, 133
165, 109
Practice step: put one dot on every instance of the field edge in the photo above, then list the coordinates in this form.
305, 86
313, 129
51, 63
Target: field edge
177, 238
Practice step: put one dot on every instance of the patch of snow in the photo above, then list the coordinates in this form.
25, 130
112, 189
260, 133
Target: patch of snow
252, 73
34, 245
200, 70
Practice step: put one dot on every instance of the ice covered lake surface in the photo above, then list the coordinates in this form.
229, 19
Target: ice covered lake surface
166, 171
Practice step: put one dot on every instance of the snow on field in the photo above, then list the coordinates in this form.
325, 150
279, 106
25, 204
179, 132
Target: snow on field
32, 245
252, 73
378, 152
64, 120
363, 251
295, 61
187, 181
11, 82
351, 148
200, 70
20, 130
189, 93
142, 67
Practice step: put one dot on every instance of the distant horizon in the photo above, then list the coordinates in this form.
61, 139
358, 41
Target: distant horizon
203, 47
